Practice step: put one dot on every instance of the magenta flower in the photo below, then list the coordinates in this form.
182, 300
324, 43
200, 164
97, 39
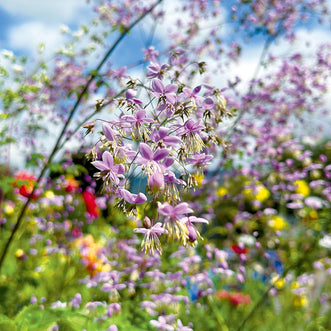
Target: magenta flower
173, 213
193, 233
108, 131
161, 135
199, 160
177, 230
150, 159
167, 92
110, 172
151, 240
130, 94
138, 119
192, 134
156, 70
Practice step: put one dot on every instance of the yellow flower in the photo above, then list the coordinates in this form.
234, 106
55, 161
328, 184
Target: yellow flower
8, 209
280, 284
222, 191
20, 253
277, 223
260, 193
49, 194
199, 178
300, 301
302, 188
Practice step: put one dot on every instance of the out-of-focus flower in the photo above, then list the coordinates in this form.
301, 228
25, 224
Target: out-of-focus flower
26, 189
9, 207
259, 193
277, 223
71, 184
300, 300
325, 241
222, 191
91, 206
235, 298
162, 324
20, 254
239, 249
301, 187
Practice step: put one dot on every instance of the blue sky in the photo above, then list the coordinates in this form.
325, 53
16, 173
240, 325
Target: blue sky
26, 23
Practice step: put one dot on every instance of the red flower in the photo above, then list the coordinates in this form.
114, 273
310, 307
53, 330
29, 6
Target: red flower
91, 206
239, 250
235, 298
26, 189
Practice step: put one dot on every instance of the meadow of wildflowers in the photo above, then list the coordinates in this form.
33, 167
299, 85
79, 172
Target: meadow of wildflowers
169, 193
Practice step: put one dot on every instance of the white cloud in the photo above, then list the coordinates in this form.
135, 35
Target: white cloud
59, 11
26, 37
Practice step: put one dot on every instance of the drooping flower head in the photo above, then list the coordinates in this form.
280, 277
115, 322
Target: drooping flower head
173, 223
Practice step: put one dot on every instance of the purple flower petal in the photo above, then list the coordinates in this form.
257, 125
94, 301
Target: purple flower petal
208, 103
170, 88
146, 151
108, 131
161, 154
100, 165
157, 86
107, 158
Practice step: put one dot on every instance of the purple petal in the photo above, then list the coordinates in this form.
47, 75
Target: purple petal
107, 158
183, 208
171, 98
157, 86
130, 94
168, 162
163, 132
208, 103
100, 165
197, 89
170, 88
140, 114
161, 154
130, 197
172, 140
108, 131
146, 151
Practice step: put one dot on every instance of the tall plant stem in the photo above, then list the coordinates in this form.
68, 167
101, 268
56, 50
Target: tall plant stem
72, 112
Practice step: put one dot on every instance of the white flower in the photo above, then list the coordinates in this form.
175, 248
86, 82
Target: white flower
325, 242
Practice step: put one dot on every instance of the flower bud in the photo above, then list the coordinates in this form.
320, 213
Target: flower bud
147, 223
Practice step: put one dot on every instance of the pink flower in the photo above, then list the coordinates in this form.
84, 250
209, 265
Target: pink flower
151, 240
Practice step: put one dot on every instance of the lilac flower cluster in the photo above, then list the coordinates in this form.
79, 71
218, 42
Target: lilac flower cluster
162, 136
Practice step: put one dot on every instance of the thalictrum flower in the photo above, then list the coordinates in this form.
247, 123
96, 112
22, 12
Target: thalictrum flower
192, 134
177, 230
193, 233
110, 172
161, 136
156, 70
151, 240
165, 92
150, 159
